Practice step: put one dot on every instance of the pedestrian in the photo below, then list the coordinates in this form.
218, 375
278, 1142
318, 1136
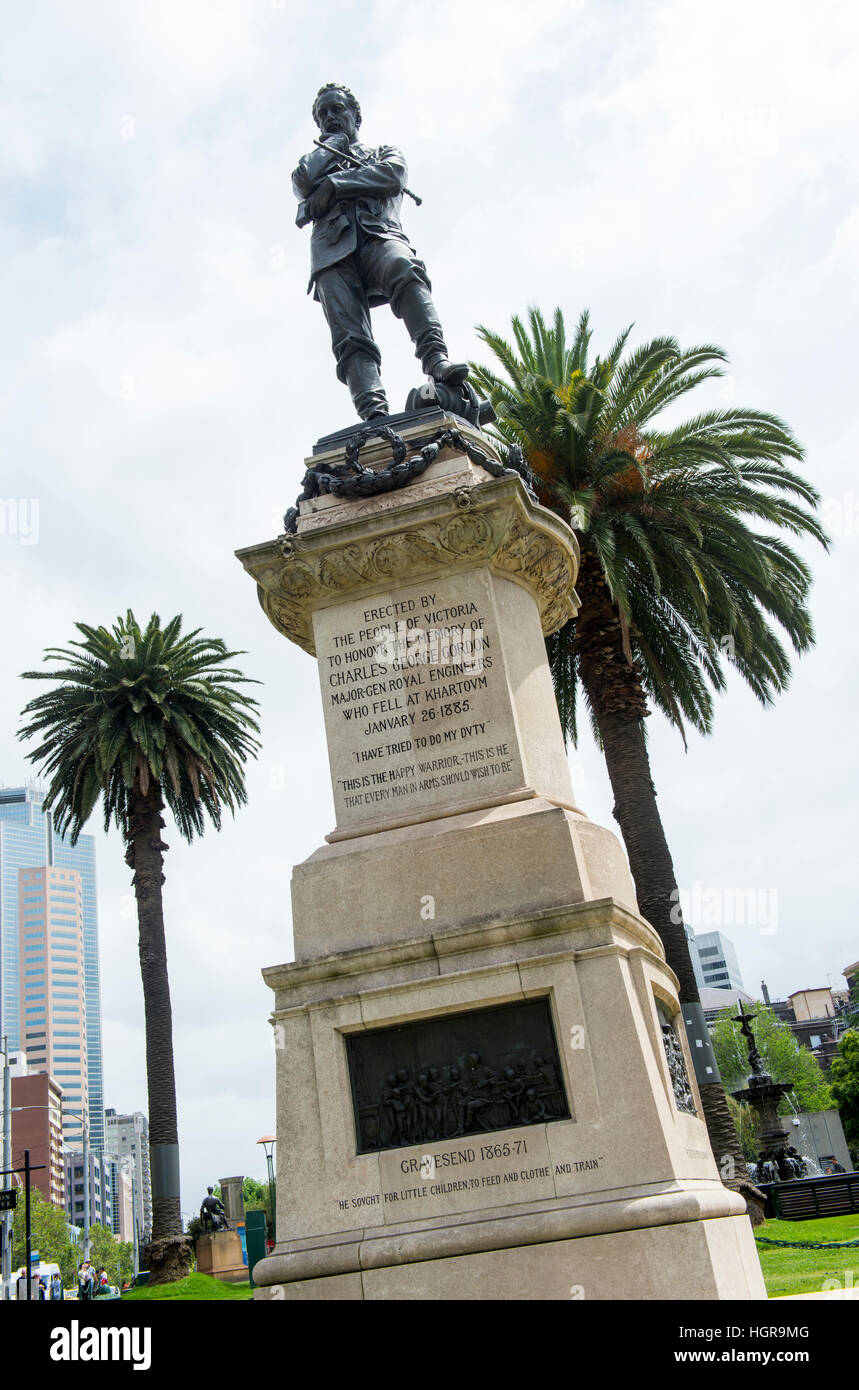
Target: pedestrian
57, 1294
86, 1278
22, 1285
43, 1289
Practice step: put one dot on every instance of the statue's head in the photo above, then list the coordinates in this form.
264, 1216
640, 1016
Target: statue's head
210, 1190
336, 109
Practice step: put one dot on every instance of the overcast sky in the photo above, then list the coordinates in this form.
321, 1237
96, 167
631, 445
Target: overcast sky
690, 168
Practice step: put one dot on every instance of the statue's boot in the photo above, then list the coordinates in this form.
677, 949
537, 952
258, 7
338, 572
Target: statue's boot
365, 387
451, 373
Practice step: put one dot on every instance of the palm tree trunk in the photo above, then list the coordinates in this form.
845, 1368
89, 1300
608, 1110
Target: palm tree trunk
145, 856
619, 704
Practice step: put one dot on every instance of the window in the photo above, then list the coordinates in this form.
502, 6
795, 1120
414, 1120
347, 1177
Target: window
40, 971
708, 950
815, 1040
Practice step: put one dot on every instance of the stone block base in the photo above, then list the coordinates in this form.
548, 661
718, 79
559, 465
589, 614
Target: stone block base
620, 1198
700, 1260
219, 1253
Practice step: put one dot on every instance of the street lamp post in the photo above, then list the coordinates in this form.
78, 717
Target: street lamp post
268, 1142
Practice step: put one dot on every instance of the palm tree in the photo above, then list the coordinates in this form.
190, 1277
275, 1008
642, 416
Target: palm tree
144, 720
674, 582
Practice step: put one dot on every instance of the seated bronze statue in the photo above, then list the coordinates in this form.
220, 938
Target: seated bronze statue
213, 1213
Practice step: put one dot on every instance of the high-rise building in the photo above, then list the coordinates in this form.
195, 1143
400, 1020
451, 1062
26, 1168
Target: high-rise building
57, 904
127, 1136
52, 995
718, 961
122, 1172
37, 1125
100, 1210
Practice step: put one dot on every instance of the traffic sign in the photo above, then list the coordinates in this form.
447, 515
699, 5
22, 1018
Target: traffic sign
8, 1199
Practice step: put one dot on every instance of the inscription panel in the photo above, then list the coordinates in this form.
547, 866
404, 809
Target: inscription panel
417, 710
461, 1074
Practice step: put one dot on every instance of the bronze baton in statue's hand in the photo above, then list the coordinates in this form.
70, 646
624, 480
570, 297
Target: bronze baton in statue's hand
359, 164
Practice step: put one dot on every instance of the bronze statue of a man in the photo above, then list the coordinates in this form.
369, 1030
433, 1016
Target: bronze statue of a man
213, 1214
359, 254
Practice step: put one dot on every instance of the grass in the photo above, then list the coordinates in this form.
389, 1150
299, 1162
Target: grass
789, 1271
197, 1287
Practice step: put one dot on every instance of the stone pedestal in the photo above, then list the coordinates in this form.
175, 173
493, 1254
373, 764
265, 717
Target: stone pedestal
484, 1089
219, 1253
231, 1195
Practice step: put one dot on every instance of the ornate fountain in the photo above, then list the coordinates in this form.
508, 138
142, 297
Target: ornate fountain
778, 1161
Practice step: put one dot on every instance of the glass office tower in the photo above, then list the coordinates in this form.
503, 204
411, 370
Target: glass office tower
718, 959
28, 841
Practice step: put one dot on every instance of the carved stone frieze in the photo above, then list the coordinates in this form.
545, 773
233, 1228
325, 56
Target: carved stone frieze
468, 1073
683, 1097
501, 527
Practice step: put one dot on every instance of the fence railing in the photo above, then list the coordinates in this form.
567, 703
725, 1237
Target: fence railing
836, 1194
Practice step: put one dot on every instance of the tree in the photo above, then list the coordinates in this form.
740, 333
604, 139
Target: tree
145, 719
674, 583
114, 1256
844, 1083
782, 1054
49, 1234
256, 1196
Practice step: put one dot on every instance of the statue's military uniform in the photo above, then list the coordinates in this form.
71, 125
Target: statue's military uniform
361, 257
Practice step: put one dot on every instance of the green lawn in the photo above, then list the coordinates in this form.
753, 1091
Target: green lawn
198, 1287
805, 1271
